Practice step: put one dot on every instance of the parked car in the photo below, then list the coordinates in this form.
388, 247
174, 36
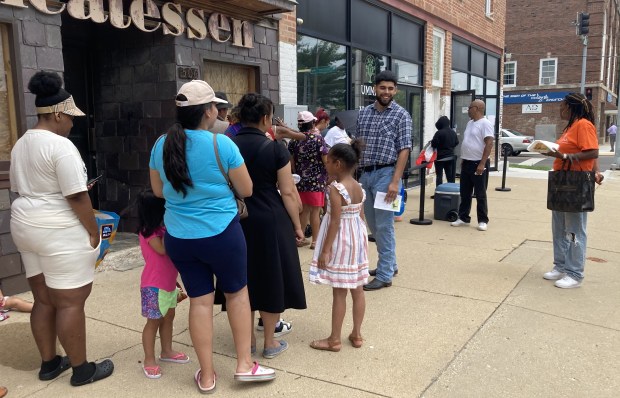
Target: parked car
513, 142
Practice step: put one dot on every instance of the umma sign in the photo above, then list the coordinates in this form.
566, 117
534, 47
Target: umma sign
146, 16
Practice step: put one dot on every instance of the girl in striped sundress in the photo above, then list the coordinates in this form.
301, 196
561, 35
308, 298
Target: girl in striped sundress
341, 254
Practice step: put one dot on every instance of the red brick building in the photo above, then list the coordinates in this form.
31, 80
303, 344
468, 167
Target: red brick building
445, 53
544, 63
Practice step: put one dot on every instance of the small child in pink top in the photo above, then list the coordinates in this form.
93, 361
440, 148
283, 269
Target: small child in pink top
157, 287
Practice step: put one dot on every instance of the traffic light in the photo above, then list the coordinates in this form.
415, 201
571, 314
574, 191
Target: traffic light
583, 23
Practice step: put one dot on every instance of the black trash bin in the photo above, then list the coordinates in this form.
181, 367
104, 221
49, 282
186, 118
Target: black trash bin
447, 201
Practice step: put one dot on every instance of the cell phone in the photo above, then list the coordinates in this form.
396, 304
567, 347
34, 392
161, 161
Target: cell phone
94, 180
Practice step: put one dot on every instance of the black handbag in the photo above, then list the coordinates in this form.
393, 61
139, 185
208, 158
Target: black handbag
570, 191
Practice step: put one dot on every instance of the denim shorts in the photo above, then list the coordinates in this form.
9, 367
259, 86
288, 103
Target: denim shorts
223, 256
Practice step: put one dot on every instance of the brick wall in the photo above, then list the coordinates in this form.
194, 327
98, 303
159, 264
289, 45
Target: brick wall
288, 59
38, 38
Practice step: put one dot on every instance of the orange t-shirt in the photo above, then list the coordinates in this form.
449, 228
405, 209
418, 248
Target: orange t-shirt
581, 136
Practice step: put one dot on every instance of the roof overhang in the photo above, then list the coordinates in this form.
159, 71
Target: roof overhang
253, 10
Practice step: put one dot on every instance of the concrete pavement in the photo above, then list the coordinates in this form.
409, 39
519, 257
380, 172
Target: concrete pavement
469, 315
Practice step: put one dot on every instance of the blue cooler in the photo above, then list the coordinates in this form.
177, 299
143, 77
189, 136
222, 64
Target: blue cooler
447, 201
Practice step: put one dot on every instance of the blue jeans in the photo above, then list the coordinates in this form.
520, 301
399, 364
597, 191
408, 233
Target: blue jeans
569, 242
380, 222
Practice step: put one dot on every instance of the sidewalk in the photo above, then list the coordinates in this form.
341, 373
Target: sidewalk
469, 315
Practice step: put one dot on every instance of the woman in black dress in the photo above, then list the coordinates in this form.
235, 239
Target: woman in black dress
272, 227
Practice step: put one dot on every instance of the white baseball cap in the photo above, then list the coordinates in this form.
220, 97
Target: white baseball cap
305, 117
198, 92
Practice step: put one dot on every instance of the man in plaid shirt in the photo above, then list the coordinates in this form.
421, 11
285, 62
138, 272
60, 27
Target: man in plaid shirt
385, 126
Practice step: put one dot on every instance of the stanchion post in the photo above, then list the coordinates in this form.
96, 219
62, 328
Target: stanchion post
421, 220
503, 187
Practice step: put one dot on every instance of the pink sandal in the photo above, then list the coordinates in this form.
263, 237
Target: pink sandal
4, 316
152, 372
178, 358
201, 389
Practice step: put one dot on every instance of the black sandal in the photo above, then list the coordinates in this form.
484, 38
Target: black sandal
64, 365
103, 369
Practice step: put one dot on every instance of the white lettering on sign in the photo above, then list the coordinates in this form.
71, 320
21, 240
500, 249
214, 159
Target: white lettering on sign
531, 108
148, 17
367, 90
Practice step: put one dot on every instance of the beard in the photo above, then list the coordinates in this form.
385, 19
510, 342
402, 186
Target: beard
382, 101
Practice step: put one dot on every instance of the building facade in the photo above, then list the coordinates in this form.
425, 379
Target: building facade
544, 60
445, 54
124, 61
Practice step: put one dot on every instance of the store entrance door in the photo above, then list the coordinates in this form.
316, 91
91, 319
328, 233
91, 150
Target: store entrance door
410, 98
459, 117
78, 77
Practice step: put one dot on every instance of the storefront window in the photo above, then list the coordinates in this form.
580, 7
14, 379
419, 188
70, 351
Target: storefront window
321, 74
407, 72
491, 87
365, 66
459, 81
477, 84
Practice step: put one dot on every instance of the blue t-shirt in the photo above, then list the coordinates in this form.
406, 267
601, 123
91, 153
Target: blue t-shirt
209, 205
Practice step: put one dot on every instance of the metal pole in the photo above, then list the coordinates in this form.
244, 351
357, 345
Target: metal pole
583, 65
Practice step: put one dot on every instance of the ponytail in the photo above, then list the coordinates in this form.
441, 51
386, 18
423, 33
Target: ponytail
175, 157
175, 162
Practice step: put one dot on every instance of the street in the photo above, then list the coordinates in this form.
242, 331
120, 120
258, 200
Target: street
535, 159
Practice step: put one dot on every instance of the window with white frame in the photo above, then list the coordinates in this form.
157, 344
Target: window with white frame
488, 7
439, 39
548, 71
510, 74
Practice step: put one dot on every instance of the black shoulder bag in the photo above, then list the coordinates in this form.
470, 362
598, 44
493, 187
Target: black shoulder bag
570, 191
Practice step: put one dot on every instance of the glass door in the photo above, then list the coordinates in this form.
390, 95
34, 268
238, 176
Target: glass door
459, 118
410, 98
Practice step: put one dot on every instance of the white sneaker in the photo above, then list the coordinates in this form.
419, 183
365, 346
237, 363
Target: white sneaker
458, 223
553, 275
567, 283
482, 226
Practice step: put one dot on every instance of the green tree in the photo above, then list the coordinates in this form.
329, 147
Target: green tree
321, 74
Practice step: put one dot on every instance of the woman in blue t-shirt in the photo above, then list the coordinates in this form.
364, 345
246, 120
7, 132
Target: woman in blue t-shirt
204, 238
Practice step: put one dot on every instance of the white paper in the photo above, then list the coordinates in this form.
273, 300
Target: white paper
381, 205
542, 146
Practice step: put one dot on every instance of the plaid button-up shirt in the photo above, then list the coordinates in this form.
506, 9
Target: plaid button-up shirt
385, 133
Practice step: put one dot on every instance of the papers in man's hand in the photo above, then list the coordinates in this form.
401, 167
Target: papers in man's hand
381, 205
542, 146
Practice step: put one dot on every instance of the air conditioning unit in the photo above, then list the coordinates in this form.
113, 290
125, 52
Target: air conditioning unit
546, 80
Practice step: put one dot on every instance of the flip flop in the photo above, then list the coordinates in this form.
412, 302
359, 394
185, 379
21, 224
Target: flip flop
152, 372
103, 369
178, 358
333, 346
4, 316
257, 373
201, 389
62, 366
303, 243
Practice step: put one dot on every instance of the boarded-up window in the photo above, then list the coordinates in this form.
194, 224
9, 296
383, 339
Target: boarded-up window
8, 128
234, 80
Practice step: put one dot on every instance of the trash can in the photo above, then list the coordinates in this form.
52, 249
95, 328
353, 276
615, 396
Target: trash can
447, 201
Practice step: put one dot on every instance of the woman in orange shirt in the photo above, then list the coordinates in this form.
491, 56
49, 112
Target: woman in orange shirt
579, 144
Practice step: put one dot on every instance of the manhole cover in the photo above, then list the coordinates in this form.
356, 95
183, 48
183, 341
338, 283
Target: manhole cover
596, 259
